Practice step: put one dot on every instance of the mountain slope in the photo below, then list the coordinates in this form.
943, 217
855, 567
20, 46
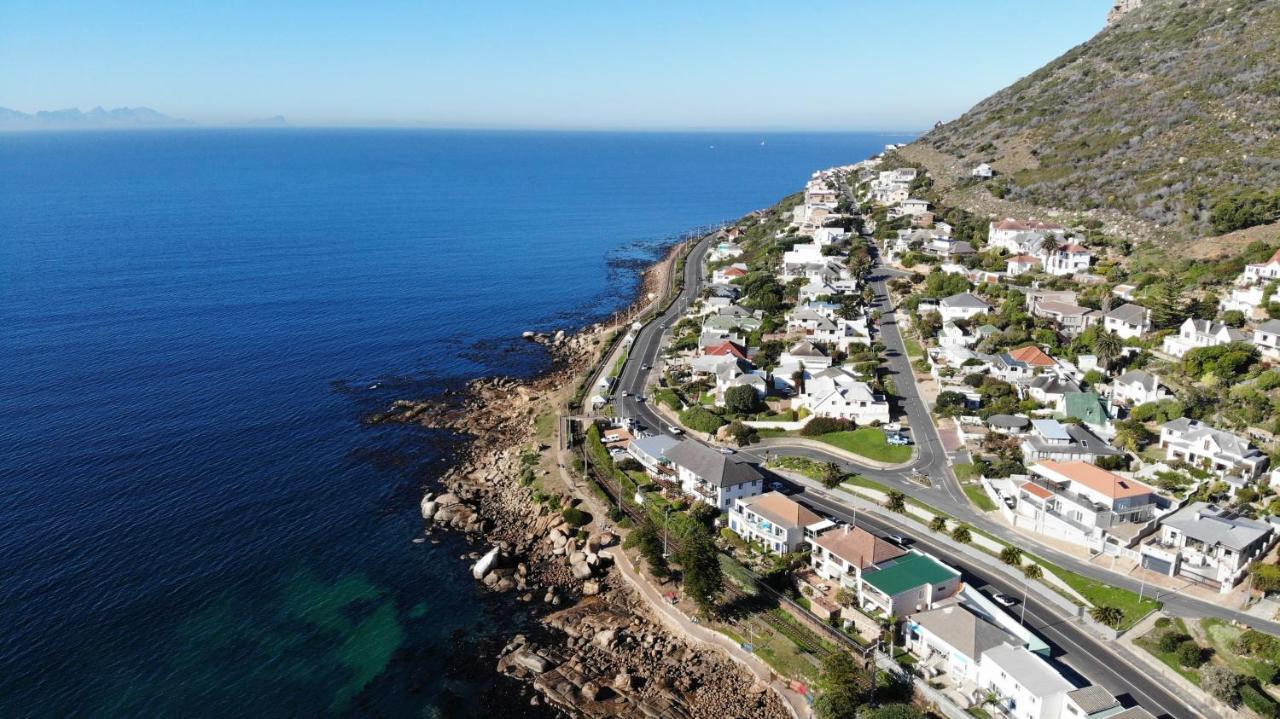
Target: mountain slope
1172, 108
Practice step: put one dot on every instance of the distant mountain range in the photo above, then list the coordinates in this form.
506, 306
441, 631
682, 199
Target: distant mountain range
100, 118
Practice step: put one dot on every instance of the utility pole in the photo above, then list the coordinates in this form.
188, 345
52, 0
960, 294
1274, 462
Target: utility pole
1023, 619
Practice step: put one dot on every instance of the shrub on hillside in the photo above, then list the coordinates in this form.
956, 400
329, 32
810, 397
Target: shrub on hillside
701, 419
826, 425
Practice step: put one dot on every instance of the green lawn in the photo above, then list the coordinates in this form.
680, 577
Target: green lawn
914, 350
1102, 594
869, 442
668, 396
1151, 643
979, 497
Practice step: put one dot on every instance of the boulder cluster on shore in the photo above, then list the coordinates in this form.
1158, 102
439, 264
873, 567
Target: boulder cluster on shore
615, 659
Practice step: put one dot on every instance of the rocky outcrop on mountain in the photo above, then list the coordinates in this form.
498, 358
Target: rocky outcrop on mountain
1170, 110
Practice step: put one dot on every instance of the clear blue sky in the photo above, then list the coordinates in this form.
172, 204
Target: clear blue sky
852, 64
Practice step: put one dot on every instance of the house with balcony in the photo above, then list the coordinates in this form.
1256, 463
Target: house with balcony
651, 452
1021, 265
1052, 440
1266, 337
1137, 387
1231, 456
1016, 237
1068, 260
841, 554
1070, 319
1051, 391
1025, 685
726, 275
709, 476
956, 635
1246, 300
961, 307
1207, 544
776, 522
904, 585
1129, 321
1078, 502
1263, 272
1194, 333
838, 392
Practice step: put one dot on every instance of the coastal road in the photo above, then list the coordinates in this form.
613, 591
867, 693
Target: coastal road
944, 492
1073, 647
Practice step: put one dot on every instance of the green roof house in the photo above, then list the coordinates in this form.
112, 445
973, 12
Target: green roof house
907, 584
1087, 407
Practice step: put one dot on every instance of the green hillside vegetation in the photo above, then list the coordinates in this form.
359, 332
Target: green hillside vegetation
1171, 115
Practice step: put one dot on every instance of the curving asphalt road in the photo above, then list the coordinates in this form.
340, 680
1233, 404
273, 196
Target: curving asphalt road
1077, 648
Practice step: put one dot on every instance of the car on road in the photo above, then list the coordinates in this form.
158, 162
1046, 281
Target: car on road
640, 398
645, 367
674, 429
777, 486
897, 539
626, 394
726, 450
1002, 599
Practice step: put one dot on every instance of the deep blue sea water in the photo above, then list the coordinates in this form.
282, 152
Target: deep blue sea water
193, 521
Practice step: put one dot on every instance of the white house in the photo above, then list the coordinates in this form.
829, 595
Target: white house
1021, 264
982, 172
1018, 238
1267, 338
1068, 260
913, 207
780, 524
902, 586
1050, 439
724, 250
837, 392
1082, 503
841, 554
1129, 321
843, 333
1268, 271
1247, 300
957, 635
801, 357
712, 477
961, 307
1137, 387
1026, 686
1196, 443
1052, 390
651, 452
1196, 333
726, 275
1207, 544
952, 336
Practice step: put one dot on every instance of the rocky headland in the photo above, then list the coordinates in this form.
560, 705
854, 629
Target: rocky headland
611, 658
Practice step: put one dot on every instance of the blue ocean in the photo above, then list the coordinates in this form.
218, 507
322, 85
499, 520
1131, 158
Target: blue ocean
193, 520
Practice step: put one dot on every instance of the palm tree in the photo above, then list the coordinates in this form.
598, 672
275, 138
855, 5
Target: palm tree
1011, 555
832, 475
962, 535
896, 501
1048, 246
938, 523
1107, 346
1032, 571
1110, 616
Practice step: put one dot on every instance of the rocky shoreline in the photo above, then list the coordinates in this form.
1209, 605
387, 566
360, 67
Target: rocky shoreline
611, 658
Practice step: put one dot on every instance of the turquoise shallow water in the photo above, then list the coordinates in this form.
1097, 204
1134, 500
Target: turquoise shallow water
194, 522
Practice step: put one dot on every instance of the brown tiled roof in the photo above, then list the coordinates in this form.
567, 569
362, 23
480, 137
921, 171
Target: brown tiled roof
857, 546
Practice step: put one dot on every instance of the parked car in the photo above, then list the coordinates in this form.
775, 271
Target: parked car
898, 440
726, 450
777, 486
674, 429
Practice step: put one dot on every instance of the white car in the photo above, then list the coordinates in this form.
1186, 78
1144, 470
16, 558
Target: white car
674, 429
1003, 600
726, 450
